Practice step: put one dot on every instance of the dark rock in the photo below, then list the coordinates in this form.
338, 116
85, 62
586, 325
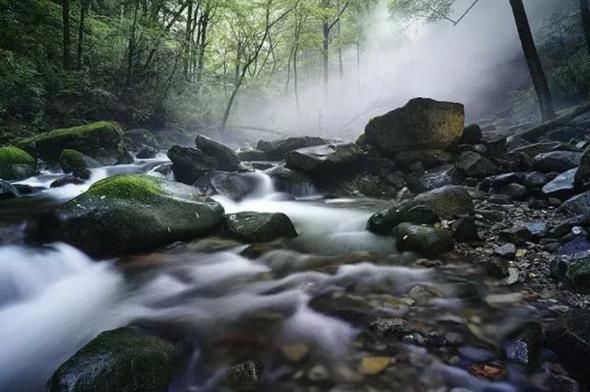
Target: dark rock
292, 182
245, 376
444, 175
472, 134
7, 190
147, 152
497, 267
66, 180
496, 143
227, 159
465, 230
235, 186
322, 159
557, 161
577, 275
278, 149
517, 234
188, 164
562, 187
501, 180
582, 177
472, 164
125, 359
428, 158
16, 164
577, 205
524, 345
569, 338
500, 199
252, 155
424, 240
535, 149
420, 124
577, 245
384, 221
72, 161
388, 328
567, 134
534, 180
515, 191
138, 138
345, 307
259, 227
507, 251
130, 213
447, 201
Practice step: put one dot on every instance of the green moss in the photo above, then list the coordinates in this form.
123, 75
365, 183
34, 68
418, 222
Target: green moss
127, 187
13, 156
71, 160
99, 126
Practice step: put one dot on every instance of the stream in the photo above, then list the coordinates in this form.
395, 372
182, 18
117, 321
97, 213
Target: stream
235, 302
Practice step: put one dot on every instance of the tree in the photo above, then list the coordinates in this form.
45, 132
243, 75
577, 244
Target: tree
84, 4
66, 34
327, 26
585, 12
532, 58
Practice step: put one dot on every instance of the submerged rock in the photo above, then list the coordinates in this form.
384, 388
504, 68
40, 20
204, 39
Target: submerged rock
278, 149
131, 213
292, 182
16, 164
321, 159
258, 226
235, 186
421, 124
425, 240
7, 190
524, 345
227, 159
122, 360
189, 164
102, 141
245, 376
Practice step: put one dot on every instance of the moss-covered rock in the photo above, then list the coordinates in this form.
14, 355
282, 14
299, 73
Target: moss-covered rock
72, 161
101, 140
16, 164
425, 240
122, 360
130, 213
259, 227
139, 138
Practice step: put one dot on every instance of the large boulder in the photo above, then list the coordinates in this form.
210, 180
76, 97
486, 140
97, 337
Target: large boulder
227, 159
383, 222
557, 161
324, 158
102, 141
276, 150
291, 182
472, 164
122, 360
421, 124
131, 213
427, 241
72, 161
258, 226
16, 164
7, 190
189, 164
235, 186
139, 138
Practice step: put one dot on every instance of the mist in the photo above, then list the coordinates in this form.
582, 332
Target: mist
477, 62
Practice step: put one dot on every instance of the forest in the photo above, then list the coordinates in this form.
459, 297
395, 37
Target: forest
294, 195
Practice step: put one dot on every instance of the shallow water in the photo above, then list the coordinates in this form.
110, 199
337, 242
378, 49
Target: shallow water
230, 307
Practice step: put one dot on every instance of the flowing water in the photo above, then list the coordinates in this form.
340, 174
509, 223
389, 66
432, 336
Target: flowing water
234, 303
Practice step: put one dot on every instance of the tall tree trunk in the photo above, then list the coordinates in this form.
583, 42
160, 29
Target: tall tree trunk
131, 49
585, 11
296, 78
202, 44
188, 43
532, 59
66, 34
325, 53
84, 4
340, 62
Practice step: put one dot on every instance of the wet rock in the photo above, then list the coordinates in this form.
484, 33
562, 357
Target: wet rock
388, 328
577, 275
7, 190
557, 161
66, 180
424, 240
496, 143
72, 161
227, 159
147, 153
534, 180
245, 376
562, 187
102, 141
189, 164
323, 159
131, 213
567, 134
500, 199
433, 124
535, 149
472, 134
524, 345
497, 267
577, 245
428, 158
258, 226
582, 176
472, 164
433, 179
501, 180
465, 230
292, 182
126, 359
515, 191
16, 164
252, 155
138, 138
278, 149
235, 186
346, 307
569, 338
410, 212
524, 232
507, 251
577, 205
447, 201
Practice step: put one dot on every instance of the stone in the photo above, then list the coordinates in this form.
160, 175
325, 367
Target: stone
501, 180
125, 360
515, 191
577, 205
557, 161
579, 244
433, 179
427, 241
465, 230
295, 352
562, 187
582, 177
131, 213
496, 143
245, 376
72, 161
499, 198
421, 124
507, 251
7, 191
16, 164
319, 160
103, 141
251, 154
535, 149
235, 186
227, 159
447, 201
388, 328
278, 149
189, 164
66, 180
472, 164
567, 134
291, 182
498, 267
259, 227
534, 180
428, 158
371, 366
147, 152
472, 134
139, 138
